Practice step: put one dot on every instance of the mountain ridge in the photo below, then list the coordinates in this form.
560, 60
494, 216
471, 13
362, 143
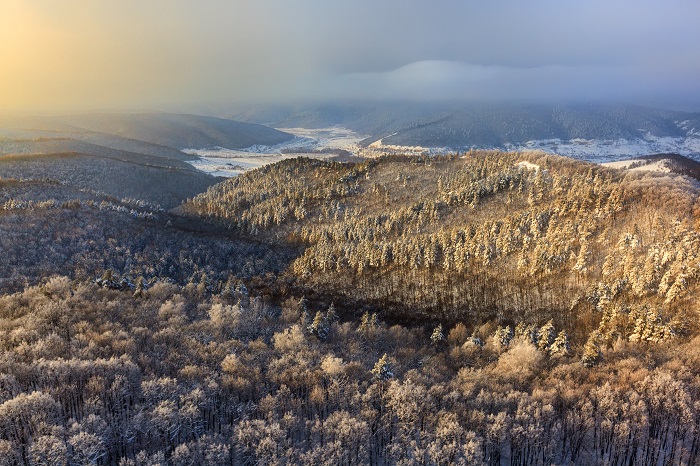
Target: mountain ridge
459, 125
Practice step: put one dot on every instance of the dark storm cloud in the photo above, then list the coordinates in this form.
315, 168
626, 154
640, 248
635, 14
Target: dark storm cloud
186, 52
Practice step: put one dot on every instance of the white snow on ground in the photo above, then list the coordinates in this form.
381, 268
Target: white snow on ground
640, 165
596, 150
335, 137
378, 149
230, 162
622, 164
658, 166
527, 165
227, 162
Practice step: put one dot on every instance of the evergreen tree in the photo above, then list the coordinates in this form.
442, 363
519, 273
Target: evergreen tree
560, 346
438, 336
503, 336
547, 336
383, 369
320, 327
331, 315
592, 354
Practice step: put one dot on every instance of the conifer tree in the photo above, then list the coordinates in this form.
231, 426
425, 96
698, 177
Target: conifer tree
560, 346
547, 336
503, 336
438, 336
383, 368
320, 327
592, 354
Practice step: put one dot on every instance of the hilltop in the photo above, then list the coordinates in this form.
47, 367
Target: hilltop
179, 131
486, 235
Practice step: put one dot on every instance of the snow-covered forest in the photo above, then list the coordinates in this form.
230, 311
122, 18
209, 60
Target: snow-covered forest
480, 308
178, 375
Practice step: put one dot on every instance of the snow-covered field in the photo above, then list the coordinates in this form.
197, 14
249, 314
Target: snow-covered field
335, 137
227, 162
640, 165
230, 162
596, 150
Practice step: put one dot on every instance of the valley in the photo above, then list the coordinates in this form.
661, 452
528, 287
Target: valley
592, 132
321, 143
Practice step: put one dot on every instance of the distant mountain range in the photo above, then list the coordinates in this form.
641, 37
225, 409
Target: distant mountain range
153, 133
125, 155
459, 125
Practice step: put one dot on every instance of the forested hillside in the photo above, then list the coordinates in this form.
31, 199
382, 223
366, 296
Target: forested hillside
156, 180
482, 308
49, 228
135, 156
179, 131
507, 236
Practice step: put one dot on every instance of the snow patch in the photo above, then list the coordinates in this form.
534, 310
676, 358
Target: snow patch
378, 149
527, 166
334, 137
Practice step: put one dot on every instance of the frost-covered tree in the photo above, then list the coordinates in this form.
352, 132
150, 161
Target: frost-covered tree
140, 287
303, 311
527, 332
560, 346
383, 369
592, 354
331, 314
651, 327
437, 336
320, 327
503, 336
87, 448
368, 322
48, 450
476, 340
547, 336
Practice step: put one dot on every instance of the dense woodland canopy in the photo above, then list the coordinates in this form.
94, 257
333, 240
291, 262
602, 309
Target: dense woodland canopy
486, 308
506, 236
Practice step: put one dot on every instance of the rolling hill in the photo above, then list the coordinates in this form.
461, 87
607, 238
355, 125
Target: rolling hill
119, 174
127, 155
179, 131
481, 236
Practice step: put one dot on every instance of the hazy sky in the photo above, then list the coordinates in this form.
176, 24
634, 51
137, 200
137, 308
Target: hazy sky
82, 54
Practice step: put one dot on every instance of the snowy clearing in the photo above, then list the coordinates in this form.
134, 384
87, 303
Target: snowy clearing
232, 162
640, 165
335, 137
607, 150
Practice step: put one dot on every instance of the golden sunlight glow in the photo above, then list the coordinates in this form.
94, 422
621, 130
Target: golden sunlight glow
82, 53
